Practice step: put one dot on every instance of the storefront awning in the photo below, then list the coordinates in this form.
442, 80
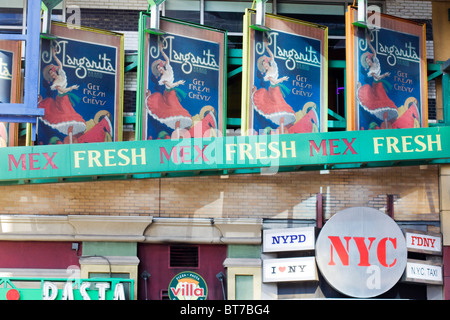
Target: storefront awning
224, 155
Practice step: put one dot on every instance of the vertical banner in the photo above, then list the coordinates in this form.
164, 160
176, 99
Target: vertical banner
181, 81
284, 77
10, 75
386, 73
81, 86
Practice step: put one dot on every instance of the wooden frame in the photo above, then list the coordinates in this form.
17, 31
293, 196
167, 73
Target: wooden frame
182, 81
10, 87
386, 76
91, 95
296, 52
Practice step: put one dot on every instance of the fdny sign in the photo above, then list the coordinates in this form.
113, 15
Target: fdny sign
361, 252
418, 241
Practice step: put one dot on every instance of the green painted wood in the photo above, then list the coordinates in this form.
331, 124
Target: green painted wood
235, 154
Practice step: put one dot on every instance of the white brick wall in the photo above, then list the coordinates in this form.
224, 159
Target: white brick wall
130, 80
409, 9
131, 39
110, 4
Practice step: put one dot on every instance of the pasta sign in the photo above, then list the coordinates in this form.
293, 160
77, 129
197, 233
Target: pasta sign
361, 252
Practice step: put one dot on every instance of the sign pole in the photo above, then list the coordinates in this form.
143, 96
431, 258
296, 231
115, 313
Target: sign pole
260, 16
48, 6
362, 14
154, 6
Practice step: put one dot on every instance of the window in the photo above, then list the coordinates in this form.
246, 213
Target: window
184, 256
11, 16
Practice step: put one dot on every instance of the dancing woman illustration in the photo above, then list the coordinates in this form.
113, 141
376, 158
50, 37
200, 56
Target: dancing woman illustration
166, 108
270, 103
59, 111
373, 98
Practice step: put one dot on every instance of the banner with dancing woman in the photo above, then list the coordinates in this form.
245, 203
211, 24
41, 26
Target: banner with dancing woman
10, 83
81, 86
386, 74
181, 81
285, 76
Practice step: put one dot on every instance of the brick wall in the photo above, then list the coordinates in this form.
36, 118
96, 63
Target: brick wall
111, 4
282, 196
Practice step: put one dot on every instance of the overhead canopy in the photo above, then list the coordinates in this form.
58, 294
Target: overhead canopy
224, 155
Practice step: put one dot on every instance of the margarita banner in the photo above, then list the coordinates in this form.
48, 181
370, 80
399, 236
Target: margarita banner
285, 76
386, 79
182, 77
81, 86
225, 153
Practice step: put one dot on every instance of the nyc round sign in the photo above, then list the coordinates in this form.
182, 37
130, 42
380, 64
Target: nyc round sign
188, 285
361, 252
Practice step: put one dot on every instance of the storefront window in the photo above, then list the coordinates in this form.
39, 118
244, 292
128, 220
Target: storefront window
11, 16
187, 10
244, 284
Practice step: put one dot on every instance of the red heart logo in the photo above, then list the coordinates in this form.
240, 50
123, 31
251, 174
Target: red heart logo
282, 269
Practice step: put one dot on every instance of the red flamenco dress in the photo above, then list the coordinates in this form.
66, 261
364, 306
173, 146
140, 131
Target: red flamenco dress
271, 104
59, 112
166, 107
373, 98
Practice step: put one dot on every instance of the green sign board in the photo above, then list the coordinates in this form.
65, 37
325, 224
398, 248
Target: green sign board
225, 154
66, 289
188, 285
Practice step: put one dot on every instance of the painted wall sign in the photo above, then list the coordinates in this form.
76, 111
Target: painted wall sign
81, 84
10, 57
290, 269
188, 285
423, 272
284, 78
361, 252
64, 289
386, 74
289, 239
417, 241
223, 153
182, 81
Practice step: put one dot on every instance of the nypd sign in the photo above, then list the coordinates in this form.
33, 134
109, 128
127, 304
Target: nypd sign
289, 239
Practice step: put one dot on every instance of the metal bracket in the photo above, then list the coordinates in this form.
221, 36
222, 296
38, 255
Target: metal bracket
260, 16
154, 6
446, 66
48, 6
362, 14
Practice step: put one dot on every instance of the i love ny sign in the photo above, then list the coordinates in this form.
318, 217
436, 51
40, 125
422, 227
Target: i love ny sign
289, 269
